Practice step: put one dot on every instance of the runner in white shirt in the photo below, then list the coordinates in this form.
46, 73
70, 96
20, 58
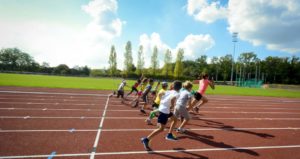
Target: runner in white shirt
168, 100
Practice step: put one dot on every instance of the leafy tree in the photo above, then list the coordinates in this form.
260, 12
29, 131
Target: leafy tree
140, 62
178, 64
167, 67
61, 69
154, 61
225, 63
113, 61
215, 67
128, 58
202, 61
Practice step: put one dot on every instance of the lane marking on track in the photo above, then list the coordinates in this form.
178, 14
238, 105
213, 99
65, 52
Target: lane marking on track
134, 110
127, 130
92, 156
56, 103
158, 151
51, 155
135, 118
54, 93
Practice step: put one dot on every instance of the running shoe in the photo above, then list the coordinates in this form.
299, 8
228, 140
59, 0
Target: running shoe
171, 137
148, 121
143, 111
180, 130
145, 142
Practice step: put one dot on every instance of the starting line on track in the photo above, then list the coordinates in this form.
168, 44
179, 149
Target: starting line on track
154, 152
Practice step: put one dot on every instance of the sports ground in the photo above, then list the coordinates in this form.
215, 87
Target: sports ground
73, 123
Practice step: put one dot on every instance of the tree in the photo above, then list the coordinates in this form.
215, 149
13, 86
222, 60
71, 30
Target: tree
61, 69
140, 62
202, 63
215, 66
13, 59
128, 58
112, 61
154, 62
178, 65
248, 59
225, 63
167, 67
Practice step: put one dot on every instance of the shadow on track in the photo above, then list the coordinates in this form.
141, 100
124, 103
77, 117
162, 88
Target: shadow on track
222, 126
209, 141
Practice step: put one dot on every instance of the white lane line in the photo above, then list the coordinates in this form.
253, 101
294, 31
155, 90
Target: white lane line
56, 103
134, 110
137, 118
92, 156
128, 130
158, 151
54, 93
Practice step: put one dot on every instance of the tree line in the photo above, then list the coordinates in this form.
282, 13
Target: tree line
284, 70
14, 60
248, 66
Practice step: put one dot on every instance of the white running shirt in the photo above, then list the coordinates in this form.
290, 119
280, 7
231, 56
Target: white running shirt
165, 102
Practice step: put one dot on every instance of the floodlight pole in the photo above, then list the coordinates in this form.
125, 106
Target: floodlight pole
234, 40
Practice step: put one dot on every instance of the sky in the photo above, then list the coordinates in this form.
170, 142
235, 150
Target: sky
81, 32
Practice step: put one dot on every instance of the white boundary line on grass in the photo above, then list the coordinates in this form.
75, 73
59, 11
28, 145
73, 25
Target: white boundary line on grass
92, 156
54, 93
158, 151
131, 130
135, 110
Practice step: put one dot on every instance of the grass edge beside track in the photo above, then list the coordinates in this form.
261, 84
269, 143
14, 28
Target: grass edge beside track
88, 83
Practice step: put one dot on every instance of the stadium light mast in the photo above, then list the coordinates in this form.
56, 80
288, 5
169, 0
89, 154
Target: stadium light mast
234, 40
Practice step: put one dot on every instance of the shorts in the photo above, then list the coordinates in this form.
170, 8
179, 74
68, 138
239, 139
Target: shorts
181, 111
120, 93
140, 93
163, 118
154, 105
134, 89
197, 96
145, 98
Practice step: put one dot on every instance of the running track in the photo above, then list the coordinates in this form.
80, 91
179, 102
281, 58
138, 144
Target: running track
68, 123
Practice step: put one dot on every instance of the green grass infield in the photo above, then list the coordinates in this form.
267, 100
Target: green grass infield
24, 80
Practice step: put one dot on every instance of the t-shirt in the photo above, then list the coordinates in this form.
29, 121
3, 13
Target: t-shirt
121, 86
183, 98
142, 87
136, 84
165, 102
157, 99
147, 90
203, 86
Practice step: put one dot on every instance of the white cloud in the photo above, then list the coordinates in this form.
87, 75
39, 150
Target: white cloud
193, 45
61, 43
149, 42
273, 23
201, 10
196, 45
105, 23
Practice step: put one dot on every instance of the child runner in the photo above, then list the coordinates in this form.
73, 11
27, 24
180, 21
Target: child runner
145, 95
180, 109
120, 91
167, 102
135, 86
135, 102
199, 95
156, 102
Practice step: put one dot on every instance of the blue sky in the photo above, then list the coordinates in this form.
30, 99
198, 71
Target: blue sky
81, 32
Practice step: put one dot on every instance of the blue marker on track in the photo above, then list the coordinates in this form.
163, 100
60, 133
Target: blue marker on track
52, 155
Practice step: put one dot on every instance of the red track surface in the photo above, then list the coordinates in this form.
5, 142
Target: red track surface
36, 122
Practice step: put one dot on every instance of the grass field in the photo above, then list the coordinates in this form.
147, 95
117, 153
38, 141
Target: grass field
112, 84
